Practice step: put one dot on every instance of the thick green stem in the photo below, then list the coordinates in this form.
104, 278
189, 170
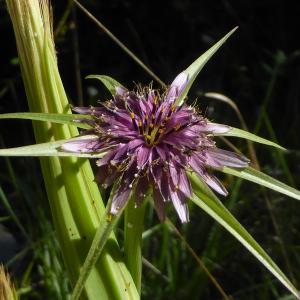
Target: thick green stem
133, 229
102, 234
74, 197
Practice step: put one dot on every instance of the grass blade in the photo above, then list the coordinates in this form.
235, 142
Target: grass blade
194, 69
110, 83
206, 200
68, 119
264, 180
236, 132
50, 149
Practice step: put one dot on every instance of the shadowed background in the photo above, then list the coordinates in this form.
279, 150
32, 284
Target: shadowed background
258, 67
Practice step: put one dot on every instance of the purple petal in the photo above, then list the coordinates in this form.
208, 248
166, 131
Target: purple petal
180, 206
215, 184
177, 86
196, 164
120, 90
219, 158
83, 144
120, 153
120, 198
82, 110
141, 189
216, 128
160, 178
107, 158
143, 155
162, 151
174, 173
159, 205
184, 184
135, 143
107, 175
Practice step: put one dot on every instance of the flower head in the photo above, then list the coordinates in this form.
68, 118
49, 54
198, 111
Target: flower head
153, 144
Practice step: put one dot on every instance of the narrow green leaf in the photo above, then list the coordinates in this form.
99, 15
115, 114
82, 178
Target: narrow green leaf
50, 117
236, 132
133, 230
264, 180
101, 237
205, 199
13, 216
193, 70
110, 83
50, 149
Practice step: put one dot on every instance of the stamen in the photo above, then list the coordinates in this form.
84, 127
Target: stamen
176, 127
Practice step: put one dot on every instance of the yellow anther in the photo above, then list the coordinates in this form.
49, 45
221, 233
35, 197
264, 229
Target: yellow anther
151, 125
146, 117
177, 127
161, 130
172, 107
163, 109
132, 115
140, 123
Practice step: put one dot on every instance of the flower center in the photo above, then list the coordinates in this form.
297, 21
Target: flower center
152, 126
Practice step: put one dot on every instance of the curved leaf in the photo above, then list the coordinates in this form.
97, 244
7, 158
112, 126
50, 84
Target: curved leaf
50, 117
236, 132
264, 180
205, 199
51, 149
193, 70
110, 83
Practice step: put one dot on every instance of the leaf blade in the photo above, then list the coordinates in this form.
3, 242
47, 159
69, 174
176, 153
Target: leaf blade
236, 132
50, 149
207, 201
194, 69
68, 119
264, 180
110, 83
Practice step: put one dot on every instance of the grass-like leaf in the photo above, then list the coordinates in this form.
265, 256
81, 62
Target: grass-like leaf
110, 83
207, 200
68, 119
193, 70
264, 180
236, 132
51, 149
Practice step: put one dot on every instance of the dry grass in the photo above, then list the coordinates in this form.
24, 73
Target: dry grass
7, 290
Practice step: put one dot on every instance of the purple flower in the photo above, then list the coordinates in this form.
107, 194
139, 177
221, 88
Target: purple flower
153, 144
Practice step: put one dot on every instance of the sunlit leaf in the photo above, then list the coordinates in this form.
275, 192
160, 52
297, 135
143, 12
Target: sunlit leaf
236, 132
205, 199
110, 83
264, 180
50, 117
193, 70
50, 149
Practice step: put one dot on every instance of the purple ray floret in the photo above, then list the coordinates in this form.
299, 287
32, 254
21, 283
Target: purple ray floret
153, 144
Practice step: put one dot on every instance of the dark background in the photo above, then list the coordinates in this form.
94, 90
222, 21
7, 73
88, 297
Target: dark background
258, 67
